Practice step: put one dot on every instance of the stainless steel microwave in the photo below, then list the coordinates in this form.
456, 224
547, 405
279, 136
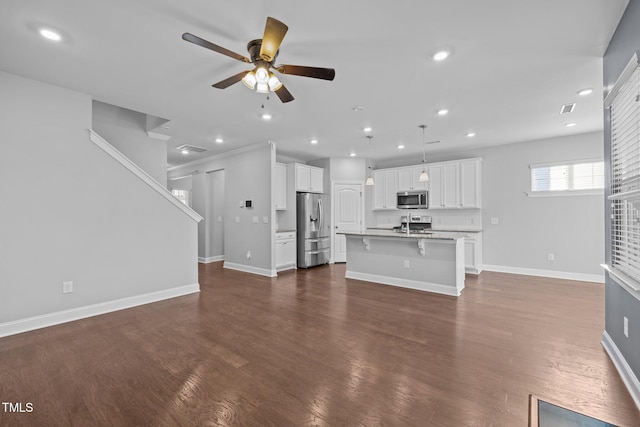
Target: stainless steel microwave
412, 200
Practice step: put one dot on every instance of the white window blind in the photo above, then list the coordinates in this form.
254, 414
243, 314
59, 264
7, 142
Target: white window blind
578, 177
625, 175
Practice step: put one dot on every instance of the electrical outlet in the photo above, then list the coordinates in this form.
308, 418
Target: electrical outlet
237, 219
254, 219
219, 219
248, 254
626, 327
265, 219
67, 287
494, 221
407, 264
550, 257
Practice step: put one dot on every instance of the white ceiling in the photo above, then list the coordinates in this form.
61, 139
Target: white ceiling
513, 64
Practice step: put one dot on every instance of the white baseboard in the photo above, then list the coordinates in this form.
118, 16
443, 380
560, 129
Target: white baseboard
597, 278
45, 320
628, 377
211, 259
286, 267
403, 283
250, 269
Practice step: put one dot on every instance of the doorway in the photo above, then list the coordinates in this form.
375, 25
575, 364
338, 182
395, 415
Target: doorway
215, 217
348, 215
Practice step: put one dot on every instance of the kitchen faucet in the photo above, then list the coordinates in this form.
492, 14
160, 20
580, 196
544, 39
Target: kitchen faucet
408, 221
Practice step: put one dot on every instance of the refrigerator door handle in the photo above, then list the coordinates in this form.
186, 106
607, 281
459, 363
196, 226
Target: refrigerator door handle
320, 214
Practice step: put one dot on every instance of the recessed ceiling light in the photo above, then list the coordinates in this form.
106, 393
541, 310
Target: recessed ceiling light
443, 112
584, 92
352, 154
50, 34
185, 152
314, 141
441, 55
219, 140
400, 146
367, 129
358, 108
471, 134
569, 125
266, 116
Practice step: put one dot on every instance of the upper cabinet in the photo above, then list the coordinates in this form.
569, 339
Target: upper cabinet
452, 185
385, 188
409, 179
309, 179
455, 185
281, 186
470, 185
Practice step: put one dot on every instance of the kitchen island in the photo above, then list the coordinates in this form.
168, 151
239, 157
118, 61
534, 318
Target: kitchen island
432, 261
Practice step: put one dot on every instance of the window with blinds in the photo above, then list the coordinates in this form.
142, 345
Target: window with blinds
580, 177
624, 103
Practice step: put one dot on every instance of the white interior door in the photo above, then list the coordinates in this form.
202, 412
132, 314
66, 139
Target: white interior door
348, 208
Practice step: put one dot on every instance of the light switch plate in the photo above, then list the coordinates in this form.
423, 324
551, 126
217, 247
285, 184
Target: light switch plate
254, 219
494, 221
265, 219
237, 219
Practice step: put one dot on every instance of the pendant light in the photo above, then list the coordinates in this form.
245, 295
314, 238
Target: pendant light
424, 176
369, 180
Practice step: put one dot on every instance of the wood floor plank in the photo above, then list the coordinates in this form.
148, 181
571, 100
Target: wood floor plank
311, 348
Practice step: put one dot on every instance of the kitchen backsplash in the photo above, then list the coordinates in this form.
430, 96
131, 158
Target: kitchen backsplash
449, 219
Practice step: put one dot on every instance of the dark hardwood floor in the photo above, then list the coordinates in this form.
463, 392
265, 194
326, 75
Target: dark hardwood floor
310, 348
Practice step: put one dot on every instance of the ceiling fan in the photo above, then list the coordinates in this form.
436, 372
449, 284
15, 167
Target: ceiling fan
263, 53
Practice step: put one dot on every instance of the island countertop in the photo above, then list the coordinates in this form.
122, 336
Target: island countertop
434, 235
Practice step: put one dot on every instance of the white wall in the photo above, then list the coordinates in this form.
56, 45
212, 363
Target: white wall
70, 212
126, 131
529, 228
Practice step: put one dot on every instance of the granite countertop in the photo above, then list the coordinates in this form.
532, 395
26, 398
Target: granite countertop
434, 235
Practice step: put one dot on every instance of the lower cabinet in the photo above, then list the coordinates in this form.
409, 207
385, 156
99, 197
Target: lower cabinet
285, 250
473, 253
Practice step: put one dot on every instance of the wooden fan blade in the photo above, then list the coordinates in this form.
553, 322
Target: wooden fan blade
214, 47
284, 94
314, 72
274, 32
231, 80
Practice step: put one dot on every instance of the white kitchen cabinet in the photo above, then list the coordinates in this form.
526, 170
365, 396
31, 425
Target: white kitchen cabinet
285, 250
281, 187
455, 185
470, 184
409, 179
309, 179
385, 188
473, 253
444, 185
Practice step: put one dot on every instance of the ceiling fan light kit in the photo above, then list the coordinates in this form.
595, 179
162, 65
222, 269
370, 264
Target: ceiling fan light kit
263, 53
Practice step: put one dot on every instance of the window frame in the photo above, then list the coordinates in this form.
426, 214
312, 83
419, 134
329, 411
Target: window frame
567, 192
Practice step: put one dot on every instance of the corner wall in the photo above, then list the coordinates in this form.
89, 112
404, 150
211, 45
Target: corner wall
248, 174
70, 212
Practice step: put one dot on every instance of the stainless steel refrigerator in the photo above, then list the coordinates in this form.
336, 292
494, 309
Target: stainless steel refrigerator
314, 238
